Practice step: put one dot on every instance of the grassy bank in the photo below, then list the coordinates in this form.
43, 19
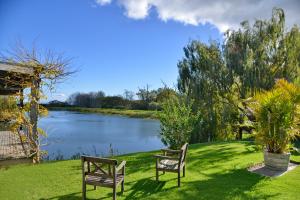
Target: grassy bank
214, 171
130, 113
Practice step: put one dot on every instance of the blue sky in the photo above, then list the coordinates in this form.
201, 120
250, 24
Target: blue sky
111, 51
114, 46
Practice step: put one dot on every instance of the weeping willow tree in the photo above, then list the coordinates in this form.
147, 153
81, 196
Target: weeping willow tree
49, 68
202, 76
258, 55
219, 77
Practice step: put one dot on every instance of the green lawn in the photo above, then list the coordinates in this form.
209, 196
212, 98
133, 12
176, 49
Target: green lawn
110, 111
214, 171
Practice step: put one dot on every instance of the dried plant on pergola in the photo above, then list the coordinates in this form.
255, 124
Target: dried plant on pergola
47, 69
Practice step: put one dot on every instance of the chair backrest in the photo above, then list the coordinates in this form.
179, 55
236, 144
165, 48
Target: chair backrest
183, 149
98, 165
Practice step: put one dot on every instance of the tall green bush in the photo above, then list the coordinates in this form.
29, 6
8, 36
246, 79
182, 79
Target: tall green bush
177, 122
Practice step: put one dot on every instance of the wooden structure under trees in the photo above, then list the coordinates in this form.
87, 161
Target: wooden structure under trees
14, 78
171, 161
32, 68
102, 172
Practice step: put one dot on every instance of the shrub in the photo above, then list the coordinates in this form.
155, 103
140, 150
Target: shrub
177, 122
277, 115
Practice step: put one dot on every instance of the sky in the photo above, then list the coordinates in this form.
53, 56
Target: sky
125, 44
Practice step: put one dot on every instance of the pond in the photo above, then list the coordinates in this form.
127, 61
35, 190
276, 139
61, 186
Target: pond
72, 133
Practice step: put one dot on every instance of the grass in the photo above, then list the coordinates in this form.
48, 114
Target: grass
214, 171
110, 111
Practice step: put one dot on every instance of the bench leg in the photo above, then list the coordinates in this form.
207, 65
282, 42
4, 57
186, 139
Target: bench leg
83, 191
157, 175
114, 193
183, 171
94, 187
122, 186
178, 181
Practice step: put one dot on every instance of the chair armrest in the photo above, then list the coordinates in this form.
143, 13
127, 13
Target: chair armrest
122, 165
165, 157
170, 150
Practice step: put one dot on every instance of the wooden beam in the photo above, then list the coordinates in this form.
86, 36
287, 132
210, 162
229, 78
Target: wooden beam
9, 67
16, 87
14, 77
8, 92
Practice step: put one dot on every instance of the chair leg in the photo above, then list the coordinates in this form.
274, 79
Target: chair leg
178, 181
83, 191
114, 193
122, 186
183, 171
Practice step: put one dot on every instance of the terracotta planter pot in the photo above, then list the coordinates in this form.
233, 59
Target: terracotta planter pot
277, 161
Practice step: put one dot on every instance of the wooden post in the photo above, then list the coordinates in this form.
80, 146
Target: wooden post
34, 111
21, 104
178, 181
21, 98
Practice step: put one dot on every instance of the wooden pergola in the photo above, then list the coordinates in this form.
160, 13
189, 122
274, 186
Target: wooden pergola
14, 78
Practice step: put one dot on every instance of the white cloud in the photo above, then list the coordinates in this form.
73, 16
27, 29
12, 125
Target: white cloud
103, 2
223, 14
136, 9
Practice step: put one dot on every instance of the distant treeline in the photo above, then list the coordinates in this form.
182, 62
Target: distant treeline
147, 99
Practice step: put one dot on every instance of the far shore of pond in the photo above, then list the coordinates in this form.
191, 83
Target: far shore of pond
149, 114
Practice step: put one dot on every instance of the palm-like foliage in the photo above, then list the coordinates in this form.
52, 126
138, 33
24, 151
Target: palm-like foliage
277, 113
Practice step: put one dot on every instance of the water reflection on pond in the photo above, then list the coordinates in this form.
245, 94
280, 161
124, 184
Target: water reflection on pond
70, 133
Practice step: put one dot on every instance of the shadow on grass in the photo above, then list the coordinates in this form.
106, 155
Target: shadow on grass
221, 152
75, 196
216, 156
145, 187
72, 196
236, 184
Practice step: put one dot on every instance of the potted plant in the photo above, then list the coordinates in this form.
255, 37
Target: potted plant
277, 122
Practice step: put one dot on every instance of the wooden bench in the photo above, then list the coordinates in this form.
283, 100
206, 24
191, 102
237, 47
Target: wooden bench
102, 172
171, 161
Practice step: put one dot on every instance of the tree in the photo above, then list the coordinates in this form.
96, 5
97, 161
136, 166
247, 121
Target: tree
146, 95
165, 93
203, 78
129, 95
114, 102
258, 55
72, 99
90, 100
220, 79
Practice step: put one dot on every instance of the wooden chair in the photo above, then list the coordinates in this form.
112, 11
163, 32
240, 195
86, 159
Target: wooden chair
102, 172
171, 161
